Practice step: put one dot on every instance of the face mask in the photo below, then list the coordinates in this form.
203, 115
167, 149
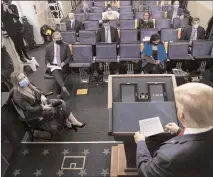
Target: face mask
24, 83
195, 25
176, 6
106, 25
59, 42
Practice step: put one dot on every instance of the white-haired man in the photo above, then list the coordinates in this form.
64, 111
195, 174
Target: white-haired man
74, 24
191, 153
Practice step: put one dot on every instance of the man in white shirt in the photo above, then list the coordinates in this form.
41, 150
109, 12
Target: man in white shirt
110, 14
57, 58
191, 153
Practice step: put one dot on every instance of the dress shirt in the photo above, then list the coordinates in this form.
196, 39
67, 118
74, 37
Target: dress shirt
174, 15
52, 67
72, 23
113, 16
196, 130
193, 34
108, 35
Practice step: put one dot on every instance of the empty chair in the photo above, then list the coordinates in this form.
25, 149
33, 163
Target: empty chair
178, 50
154, 8
129, 52
124, 9
146, 33
128, 35
114, 23
127, 24
91, 25
169, 34
99, 3
62, 27
162, 23
87, 37
126, 16
139, 15
202, 49
166, 8
106, 52
115, 8
97, 9
158, 14
80, 17
125, 3
150, 3
69, 37
177, 23
94, 16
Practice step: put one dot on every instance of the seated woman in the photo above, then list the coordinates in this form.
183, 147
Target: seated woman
34, 104
155, 49
146, 21
110, 14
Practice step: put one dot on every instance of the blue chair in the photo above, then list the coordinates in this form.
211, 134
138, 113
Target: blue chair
158, 14
87, 37
139, 15
169, 35
128, 35
127, 24
124, 9
94, 16
147, 32
114, 23
154, 8
99, 3
125, 3
126, 16
80, 17
177, 23
162, 23
91, 25
69, 36
97, 9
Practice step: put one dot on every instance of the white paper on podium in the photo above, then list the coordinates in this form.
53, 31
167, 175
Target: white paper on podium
147, 38
151, 126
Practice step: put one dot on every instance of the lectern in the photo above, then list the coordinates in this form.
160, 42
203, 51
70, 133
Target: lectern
132, 98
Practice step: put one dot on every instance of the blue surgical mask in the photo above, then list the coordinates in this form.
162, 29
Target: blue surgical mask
24, 83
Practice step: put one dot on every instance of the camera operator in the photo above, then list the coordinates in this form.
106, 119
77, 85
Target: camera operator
14, 28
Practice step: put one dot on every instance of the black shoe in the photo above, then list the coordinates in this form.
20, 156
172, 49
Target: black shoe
78, 126
23, 59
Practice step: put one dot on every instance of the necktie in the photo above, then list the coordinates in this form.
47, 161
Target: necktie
107, 35
193, 37
182, 132
58, 57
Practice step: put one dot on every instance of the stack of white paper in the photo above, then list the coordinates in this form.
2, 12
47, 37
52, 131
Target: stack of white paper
151, 126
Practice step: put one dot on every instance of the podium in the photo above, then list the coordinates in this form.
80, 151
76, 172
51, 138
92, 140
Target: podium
124, 115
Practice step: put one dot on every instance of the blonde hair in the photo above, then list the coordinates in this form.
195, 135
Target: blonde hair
195, 101
25, 91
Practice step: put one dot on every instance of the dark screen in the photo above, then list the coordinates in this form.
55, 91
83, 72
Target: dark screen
128, 93
156, 92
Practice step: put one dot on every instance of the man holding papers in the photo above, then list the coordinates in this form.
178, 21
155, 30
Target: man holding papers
190, 154
57, 58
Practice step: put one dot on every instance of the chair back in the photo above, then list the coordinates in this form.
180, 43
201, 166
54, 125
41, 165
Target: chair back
124, 9
169, 35
87, 37
127, 24
69, 36
128, 35
126, 16
91, 25
82, 53
131, 51
95, 16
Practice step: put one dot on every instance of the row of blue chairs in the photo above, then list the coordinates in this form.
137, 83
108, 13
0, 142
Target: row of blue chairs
126, 35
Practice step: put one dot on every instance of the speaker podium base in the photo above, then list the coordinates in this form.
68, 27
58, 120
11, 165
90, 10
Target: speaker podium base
119, 163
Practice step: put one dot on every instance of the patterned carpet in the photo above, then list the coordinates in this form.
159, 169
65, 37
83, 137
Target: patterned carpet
62, 160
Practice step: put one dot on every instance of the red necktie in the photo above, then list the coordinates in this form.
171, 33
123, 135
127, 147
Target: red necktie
181, 132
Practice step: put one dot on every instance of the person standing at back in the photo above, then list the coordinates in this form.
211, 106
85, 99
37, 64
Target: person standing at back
175, 12
190, 154
107, 33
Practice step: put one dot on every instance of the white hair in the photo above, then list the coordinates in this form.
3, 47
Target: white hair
195, 101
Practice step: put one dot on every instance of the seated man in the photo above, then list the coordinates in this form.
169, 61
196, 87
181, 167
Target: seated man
57, 58
194, 32
110, 14
175, 12
107, 33
189, 154
74, 24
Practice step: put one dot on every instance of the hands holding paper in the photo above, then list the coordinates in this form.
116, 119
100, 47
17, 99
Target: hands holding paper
172, 128
138, 137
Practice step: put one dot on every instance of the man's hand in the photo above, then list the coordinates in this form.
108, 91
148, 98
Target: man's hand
157, 62
138, 137
43, 100
5, 7
62, 64
172, 128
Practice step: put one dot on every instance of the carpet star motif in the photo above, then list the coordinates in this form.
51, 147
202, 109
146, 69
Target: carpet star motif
60, 173
38, 172
66, 151
16, 172
106, 151
45, 152
82, 172
104, 172
86, 151
25, 152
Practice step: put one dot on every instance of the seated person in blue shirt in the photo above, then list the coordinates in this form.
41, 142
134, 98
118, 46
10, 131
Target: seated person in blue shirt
156, 49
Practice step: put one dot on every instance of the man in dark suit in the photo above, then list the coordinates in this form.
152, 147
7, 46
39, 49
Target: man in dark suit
74, 24
189, 154
107, 33
14, 28
195, 32
175, 12
57, 58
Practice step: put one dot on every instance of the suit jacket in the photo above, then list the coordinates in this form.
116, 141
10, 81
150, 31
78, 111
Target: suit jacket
181, 156
161, 51
100, 36
180, 12
8, 23
186, 34
78, 26
65, 53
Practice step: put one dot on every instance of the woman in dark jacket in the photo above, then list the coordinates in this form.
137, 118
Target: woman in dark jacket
34, 104
146, 21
